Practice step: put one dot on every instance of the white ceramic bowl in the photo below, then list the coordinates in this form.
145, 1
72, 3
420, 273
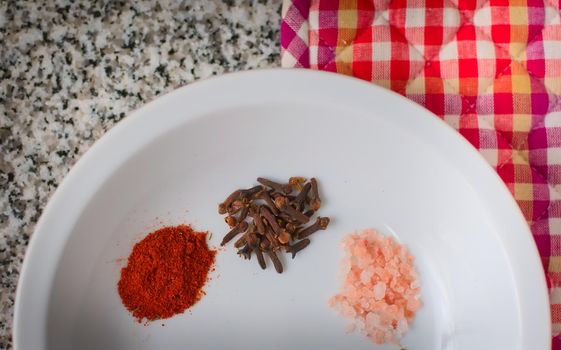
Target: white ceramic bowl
382, 162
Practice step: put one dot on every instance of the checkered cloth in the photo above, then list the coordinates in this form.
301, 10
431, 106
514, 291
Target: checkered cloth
490, 68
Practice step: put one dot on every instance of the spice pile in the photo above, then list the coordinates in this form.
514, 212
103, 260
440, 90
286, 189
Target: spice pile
271, 218
166, 272
381, 287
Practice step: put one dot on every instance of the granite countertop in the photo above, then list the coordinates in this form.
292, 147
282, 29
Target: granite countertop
68, 73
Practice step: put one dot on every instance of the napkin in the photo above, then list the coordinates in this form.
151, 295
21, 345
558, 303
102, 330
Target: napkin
490, 68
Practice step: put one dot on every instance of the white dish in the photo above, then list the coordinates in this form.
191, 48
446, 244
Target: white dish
382, 162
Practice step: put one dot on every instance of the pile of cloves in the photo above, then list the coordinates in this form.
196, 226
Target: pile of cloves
271, 217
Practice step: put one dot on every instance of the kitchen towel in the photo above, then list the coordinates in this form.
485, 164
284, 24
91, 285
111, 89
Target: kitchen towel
490, 68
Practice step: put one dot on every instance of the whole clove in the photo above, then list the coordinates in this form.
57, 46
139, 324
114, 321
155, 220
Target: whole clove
273, 241
265, 244
315, 202
270, 204
223, 207
252, 240
231, 221
286, 188
296, 182
295, 214
290, 227
251, 192
260, 258
235, 207
272, 218
280, 202
298, 246
254, 214
300, 199
284, 237
276, 262
241, 241
241, 227
243, 213
287, 219
320, 224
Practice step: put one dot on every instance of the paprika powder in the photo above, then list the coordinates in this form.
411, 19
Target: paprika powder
165, 273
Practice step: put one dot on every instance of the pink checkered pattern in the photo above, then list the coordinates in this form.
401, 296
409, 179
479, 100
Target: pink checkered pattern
294, 28
490, 68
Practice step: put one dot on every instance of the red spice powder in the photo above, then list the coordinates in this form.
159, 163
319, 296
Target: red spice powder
166, 272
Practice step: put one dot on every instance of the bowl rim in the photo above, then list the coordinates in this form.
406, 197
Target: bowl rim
529, 278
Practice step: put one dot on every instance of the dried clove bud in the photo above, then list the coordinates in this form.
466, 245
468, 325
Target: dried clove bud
264, 195
231, 221
236, 206
276, 262
252, 240
300, 199
267, 215
295, 215
241, 227
250, 193
286, 188
241, 241
320, 224
286, 218
243, 213
296, 182
273, 242
223, 207
315, 201
280, 201
254, 212
265, 244
284, 237
290, 227
296, 247
260, 258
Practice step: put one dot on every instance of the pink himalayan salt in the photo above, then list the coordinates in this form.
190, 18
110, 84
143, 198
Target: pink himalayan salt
380, 293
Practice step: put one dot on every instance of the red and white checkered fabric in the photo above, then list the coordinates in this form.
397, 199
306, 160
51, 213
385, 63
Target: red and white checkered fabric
490, 68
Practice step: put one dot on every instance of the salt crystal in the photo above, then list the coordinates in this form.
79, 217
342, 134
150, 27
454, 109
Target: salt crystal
364, 303
381, 289
379, 337
413, 304
402, 326
373, 319
365, 276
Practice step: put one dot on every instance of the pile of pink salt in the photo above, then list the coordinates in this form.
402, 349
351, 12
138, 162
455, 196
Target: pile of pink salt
380, 292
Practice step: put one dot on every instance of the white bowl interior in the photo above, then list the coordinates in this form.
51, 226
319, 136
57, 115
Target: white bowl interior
374, 171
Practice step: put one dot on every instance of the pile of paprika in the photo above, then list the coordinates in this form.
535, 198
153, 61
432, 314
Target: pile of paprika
165, 273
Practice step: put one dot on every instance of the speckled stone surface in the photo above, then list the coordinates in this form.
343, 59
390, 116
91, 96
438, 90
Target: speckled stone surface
69, 72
